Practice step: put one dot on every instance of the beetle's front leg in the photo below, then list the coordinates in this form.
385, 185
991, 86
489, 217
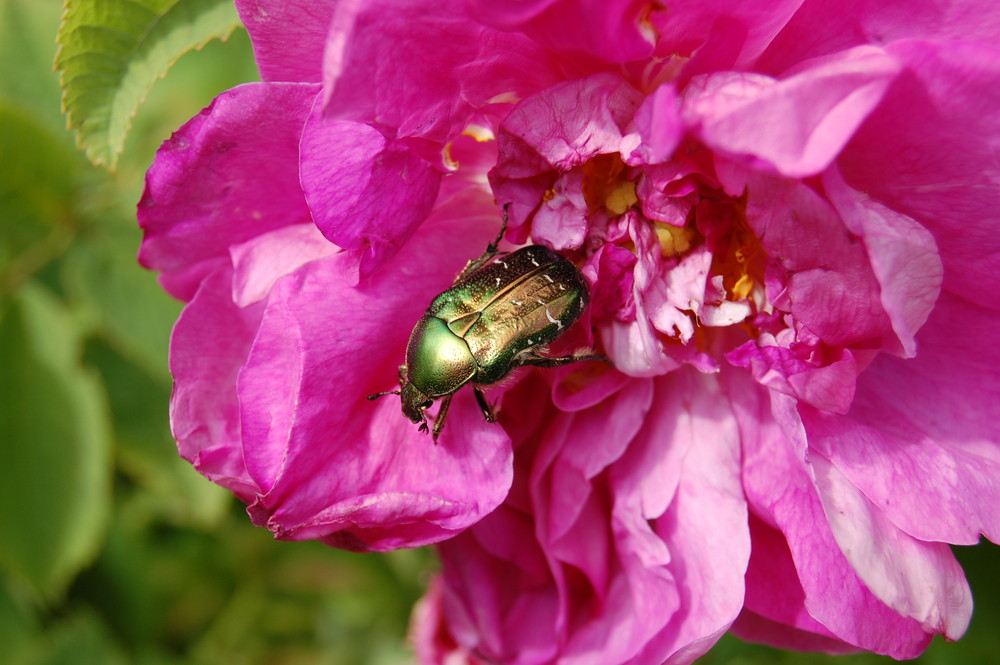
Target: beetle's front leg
484, 406
491, 250
545, 361
439, 420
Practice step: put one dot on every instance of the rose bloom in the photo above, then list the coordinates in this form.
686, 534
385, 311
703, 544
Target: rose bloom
787, 216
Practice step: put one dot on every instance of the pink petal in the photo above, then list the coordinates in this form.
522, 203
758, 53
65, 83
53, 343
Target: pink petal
378, 67
367, 193
288, 36
329, 463
612, 30
829, 386
915, 578
570, 567
920, 441
939, 166
227, 176
659, 123
260, 262
707, 550
781, 493
819, 28
727, 33
797, 125
903, 256
831, 289
569, 123
551, 133
209, 342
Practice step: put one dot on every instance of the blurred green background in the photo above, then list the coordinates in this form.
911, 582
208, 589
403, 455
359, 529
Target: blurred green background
112, 549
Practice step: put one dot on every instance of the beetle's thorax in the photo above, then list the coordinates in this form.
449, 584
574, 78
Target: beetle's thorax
438, 361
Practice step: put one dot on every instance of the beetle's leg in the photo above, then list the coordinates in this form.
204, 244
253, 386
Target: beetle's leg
442, 414
484, 406
491, 250
544, 361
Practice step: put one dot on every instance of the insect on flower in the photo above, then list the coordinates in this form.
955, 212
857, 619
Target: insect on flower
498, 315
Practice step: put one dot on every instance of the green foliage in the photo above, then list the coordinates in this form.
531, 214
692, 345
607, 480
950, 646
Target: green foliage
112, 51
58, 473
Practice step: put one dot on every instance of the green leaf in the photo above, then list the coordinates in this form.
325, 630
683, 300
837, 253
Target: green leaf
19, 624
112, 51
168, 488
36, 194
129, 308
78, 639
26, 53
55, 450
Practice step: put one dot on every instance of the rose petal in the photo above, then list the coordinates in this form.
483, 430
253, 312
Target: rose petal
903, 257
288, 36
425, 92
948, 185
831, 288
915, 578
920, 441
797, 125
781, 493
225, 177
614, 31
367, 194
209, 342
819, 28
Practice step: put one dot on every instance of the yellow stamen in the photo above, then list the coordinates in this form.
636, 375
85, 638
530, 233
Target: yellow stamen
674, 240
621, 197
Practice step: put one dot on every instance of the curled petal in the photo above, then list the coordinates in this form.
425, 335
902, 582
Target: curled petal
949, 185
367, 193
915, 578
797, 125
920, 440
781, 493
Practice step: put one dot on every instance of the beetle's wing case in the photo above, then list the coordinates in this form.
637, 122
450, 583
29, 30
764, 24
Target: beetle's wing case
461, 304
520, 301
530, 315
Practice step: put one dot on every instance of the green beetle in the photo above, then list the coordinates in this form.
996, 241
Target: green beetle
499, 314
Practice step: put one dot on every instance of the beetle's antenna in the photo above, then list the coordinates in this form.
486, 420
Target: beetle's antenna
377, 395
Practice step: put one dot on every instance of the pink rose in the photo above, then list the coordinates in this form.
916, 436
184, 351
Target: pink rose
786, 212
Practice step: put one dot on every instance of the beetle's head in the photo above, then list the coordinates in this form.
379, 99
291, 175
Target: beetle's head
412, 399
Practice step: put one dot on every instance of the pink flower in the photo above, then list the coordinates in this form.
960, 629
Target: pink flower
787, 215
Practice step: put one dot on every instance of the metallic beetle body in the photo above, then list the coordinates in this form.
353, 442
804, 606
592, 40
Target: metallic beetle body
499, 313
